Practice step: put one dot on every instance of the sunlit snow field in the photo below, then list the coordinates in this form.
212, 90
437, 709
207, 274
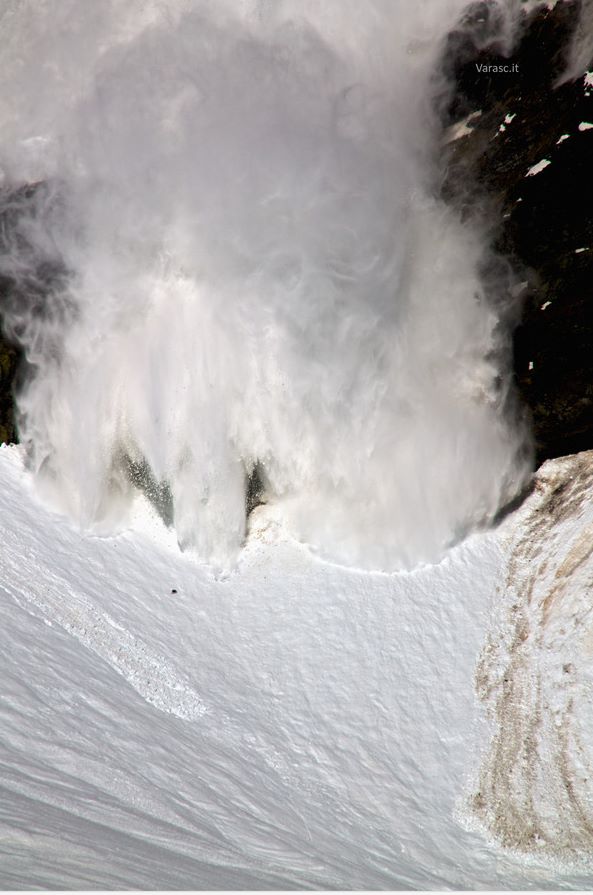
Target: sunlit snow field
296, 724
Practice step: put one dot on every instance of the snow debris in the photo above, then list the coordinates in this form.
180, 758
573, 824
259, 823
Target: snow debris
535, 790
562, 139
588, 78
530, 365
461, 128
583, 249
508, 118
585, 126
545, 305
539, 167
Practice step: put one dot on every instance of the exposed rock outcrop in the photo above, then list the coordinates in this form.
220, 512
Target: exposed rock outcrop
29, 275
523, 159
9, 362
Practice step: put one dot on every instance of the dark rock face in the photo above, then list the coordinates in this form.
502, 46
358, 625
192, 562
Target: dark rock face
9, 364
10, 354
32, 281
255, 490
543, 219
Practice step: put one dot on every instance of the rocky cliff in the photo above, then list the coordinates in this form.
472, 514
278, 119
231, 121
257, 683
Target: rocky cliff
519, 143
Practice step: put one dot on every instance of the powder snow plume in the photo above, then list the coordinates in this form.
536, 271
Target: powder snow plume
257, 271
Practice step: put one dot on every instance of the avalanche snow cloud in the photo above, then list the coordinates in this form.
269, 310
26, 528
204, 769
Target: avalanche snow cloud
242, 195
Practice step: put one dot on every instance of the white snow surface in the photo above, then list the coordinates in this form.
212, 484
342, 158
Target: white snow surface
535, 169
296, 724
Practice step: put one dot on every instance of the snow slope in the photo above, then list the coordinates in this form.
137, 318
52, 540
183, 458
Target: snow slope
294, 725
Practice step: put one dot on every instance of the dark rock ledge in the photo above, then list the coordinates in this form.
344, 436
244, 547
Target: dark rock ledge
543, 221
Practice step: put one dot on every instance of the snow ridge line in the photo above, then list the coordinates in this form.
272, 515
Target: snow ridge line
152, 676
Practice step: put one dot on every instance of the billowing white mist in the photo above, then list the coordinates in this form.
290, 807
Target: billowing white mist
258, 272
